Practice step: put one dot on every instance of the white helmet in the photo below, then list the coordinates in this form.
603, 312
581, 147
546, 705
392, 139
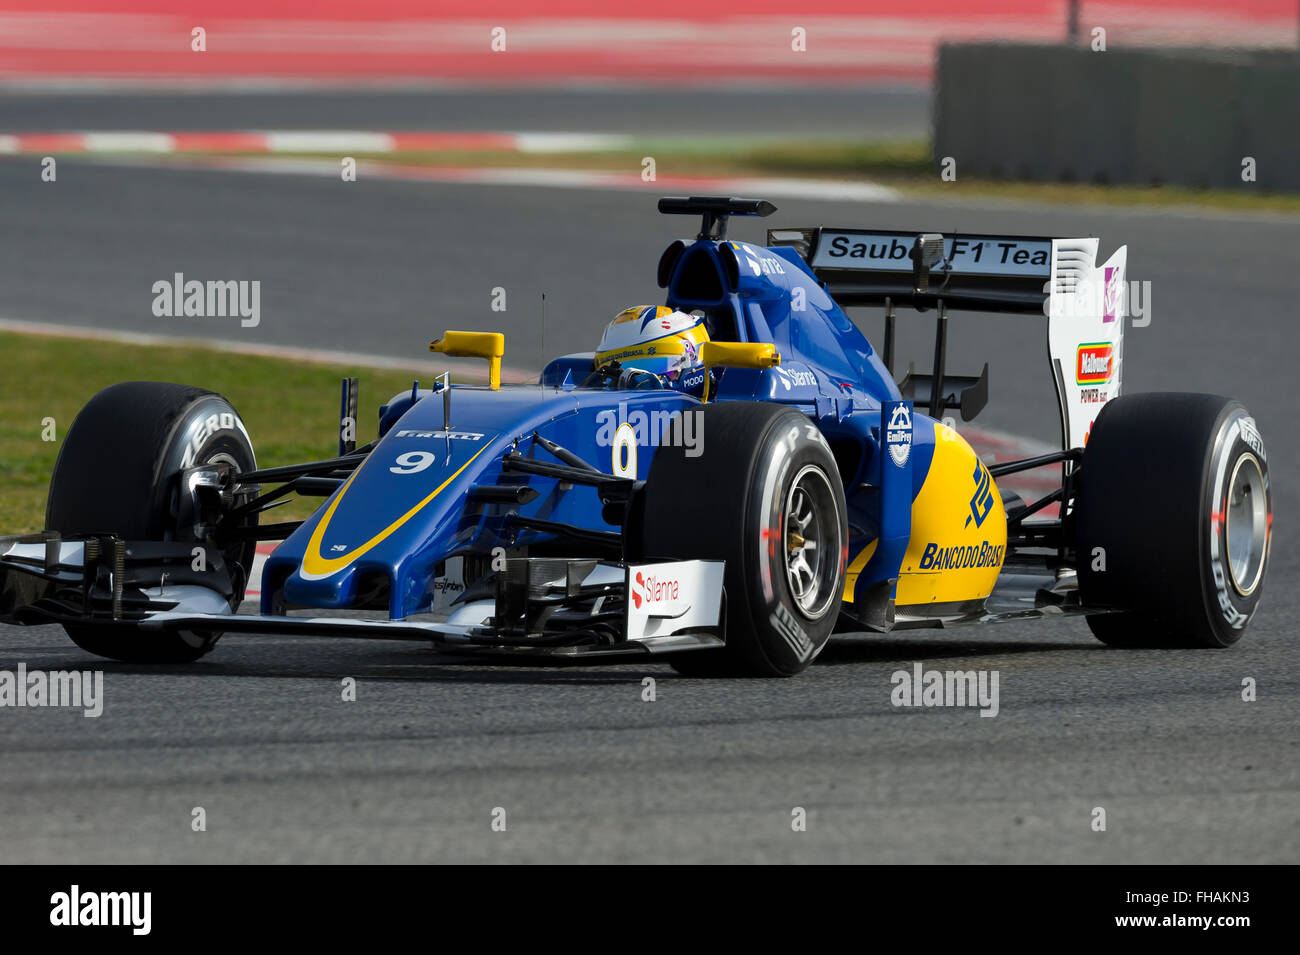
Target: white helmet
657, 339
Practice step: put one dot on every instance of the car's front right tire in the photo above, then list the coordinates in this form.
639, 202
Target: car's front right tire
116, 474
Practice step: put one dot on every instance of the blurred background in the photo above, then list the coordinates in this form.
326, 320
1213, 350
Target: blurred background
518, 145
673, 42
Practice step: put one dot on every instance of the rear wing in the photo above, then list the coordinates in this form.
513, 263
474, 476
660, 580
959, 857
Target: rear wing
1059, 279
1003, 273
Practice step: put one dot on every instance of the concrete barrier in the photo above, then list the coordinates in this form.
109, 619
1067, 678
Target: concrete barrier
1067, 114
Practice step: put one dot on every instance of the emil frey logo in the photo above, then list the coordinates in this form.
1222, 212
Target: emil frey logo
898, 434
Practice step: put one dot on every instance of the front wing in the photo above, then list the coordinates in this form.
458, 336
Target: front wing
562, 609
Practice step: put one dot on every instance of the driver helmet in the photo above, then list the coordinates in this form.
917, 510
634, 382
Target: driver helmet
660, 340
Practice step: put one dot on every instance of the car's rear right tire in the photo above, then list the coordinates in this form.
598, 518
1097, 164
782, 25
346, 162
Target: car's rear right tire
1173, 521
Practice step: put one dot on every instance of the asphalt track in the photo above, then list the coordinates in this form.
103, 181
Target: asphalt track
257, 735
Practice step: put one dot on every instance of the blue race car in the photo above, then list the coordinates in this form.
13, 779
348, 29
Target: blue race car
728, 480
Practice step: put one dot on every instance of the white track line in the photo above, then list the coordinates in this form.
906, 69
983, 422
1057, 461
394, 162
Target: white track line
332, 141
834, 190
461, 368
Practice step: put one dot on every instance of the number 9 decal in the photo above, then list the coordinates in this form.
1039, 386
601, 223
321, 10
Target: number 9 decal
413, 462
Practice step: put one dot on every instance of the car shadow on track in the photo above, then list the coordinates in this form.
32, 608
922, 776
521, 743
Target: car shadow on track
907, 649
309, 658
276, 661
384, 668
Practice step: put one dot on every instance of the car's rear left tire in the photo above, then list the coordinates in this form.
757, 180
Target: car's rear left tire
116, 474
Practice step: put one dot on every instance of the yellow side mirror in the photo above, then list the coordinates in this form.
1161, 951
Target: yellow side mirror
489, 345
737, 355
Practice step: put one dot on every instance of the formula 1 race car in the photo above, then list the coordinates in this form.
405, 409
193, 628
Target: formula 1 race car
603, 512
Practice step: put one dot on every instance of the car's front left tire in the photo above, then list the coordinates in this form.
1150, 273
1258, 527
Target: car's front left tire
763, 494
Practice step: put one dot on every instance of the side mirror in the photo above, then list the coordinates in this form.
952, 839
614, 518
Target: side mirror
737, 355
489, 345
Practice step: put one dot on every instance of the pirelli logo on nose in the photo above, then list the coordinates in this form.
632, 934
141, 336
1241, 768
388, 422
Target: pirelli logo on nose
1095, 364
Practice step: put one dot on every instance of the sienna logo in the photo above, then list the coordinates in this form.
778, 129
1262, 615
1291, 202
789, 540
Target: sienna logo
653, 590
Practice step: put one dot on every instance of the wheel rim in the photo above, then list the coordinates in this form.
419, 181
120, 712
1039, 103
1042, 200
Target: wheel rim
1246, 524
812, 544
234, 555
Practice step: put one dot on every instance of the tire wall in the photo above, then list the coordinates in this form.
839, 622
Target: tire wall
1050, 113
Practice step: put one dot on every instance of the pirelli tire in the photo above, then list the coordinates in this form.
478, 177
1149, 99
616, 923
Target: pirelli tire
762, 493
116, 473
1173, 521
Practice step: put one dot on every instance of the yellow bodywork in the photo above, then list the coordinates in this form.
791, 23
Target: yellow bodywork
959, 529
855, 567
